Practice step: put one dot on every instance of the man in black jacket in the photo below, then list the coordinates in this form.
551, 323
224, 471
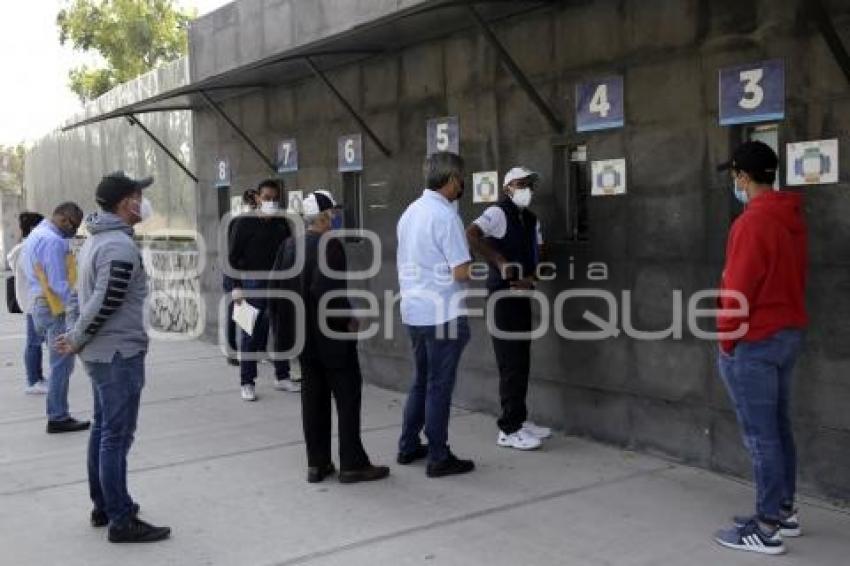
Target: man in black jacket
329, 365
255, 239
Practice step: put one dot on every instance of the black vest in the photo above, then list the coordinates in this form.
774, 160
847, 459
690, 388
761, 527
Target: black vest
518, 246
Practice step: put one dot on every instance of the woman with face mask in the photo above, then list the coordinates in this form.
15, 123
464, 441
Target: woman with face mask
508, 236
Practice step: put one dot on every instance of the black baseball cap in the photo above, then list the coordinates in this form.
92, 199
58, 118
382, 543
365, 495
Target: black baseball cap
116, 186
755, 158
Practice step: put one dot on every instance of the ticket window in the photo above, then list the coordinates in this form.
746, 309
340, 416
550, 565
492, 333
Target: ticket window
768, 134
578, 194
352, 201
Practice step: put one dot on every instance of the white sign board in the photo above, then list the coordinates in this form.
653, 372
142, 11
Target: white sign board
485, 187
608, 177
295, 202
812, 162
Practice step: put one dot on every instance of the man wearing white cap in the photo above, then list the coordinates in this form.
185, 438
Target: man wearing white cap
329, 364
508, 236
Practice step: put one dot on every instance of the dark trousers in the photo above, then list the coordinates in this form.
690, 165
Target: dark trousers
318, 384
117, 392
256, 343
758, 378
436, 356
513, 357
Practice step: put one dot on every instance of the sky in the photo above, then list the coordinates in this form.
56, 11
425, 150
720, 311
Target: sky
34, 96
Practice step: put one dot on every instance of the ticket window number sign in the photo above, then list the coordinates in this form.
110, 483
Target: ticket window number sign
444, 135
287, 156
350, 153
599, 104
222, 173
754, 92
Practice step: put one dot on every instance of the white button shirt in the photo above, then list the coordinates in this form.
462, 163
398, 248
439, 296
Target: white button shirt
431, 243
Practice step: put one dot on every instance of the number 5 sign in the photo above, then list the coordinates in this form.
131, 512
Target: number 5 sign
444, 135
752, 93
350, 151
599, 104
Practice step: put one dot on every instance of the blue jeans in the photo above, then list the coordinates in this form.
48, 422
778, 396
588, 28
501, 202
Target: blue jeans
758, 378
429, 402
49, 327
258, 341
117, 392
32, 353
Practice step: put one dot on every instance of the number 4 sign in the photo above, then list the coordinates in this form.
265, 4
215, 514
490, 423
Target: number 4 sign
599, 104
752, 93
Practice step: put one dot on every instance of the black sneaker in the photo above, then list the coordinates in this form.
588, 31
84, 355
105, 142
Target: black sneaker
99, 518
138, 531
751, 538
410, 457
451, 466
789, 524
315, 474
68, 425
369, 473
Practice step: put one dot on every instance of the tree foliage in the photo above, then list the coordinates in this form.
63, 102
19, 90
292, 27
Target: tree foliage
132, 36
12, 168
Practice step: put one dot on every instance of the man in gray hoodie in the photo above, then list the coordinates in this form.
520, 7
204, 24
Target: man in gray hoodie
110, 338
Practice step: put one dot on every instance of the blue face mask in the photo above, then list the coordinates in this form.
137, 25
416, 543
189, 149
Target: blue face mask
336, 222
741, 194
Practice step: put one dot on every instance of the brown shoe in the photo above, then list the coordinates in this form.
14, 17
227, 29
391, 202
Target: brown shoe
369, 473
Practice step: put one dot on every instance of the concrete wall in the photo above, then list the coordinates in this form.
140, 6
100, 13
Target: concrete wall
68, 165
667, 234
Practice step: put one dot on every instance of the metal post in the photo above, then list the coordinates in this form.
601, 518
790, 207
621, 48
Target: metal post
135, 122
218, 110
347, 106
514, 69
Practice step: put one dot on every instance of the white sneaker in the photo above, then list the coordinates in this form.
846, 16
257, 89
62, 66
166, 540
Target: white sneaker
248, 393
287, 385
541, 432
521, 440
39, 388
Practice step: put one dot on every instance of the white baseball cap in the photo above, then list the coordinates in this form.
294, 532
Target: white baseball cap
520, 173
318, 201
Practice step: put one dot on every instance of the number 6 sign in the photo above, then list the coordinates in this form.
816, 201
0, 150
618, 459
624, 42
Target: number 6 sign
350, 152
444, 135
752, 93
599, 104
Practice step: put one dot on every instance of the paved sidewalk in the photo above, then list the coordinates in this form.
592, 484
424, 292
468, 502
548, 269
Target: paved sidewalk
229, 478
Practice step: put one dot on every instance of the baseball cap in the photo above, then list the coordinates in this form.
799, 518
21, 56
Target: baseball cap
520, 173
753, 157
318, 201
116, 186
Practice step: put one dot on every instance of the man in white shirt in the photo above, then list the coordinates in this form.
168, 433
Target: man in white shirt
433, 263
508, 236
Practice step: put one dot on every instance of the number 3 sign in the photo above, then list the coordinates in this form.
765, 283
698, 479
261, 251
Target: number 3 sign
599, 104
752, 93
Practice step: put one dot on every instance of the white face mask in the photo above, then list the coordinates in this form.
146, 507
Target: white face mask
145, 210
269, 207
521, 197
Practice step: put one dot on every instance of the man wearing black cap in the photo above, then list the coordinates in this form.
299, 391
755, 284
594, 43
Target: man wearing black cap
110, 338
329, 363
761, 321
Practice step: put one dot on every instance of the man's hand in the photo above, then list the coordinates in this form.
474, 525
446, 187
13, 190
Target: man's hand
237, 295
63, 345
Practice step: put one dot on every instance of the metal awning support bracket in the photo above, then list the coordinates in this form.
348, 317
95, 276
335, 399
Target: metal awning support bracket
817, 11
134, 121
220, 111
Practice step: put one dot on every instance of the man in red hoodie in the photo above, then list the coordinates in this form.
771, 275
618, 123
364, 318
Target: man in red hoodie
761, 321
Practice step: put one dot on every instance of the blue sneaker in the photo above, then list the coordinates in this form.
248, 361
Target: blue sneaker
789, 526
751, 538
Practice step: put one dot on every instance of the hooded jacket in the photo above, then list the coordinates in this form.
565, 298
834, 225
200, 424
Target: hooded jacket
112, 289
766, 261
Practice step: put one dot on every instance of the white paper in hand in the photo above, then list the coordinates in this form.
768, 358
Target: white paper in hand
245, 316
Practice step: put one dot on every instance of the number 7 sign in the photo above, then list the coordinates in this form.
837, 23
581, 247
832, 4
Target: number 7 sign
599, 104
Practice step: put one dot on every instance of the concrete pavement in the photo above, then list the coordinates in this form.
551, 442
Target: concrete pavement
228, 476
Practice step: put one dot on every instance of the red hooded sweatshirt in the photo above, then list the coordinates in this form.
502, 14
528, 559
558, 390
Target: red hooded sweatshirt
766, 261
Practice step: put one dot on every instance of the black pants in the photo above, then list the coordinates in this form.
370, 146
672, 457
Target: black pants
513, 356
320, 382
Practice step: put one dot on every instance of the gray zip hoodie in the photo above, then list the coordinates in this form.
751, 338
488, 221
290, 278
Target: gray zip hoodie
112, 288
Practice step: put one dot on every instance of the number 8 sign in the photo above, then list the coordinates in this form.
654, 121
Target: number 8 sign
754, 92
599, 104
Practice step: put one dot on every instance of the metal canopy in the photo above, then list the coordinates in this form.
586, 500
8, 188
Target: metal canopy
407, 27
